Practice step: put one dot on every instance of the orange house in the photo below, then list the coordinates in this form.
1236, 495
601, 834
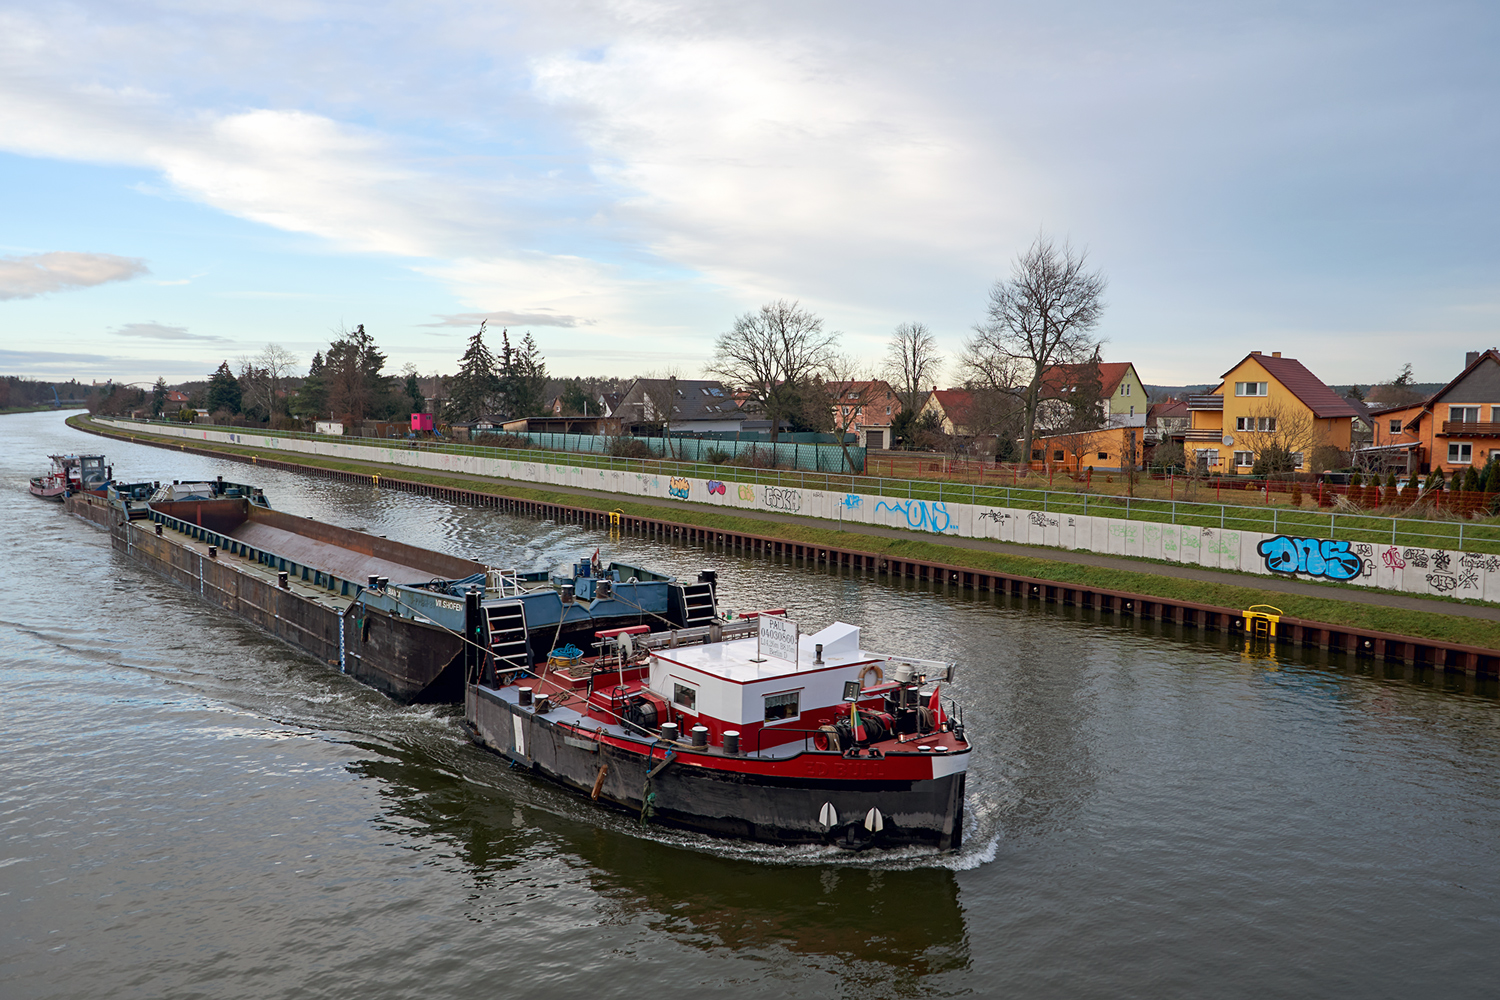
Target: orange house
1265, 401
1453, 429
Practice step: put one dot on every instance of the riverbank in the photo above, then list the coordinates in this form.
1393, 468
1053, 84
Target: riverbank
1428, 617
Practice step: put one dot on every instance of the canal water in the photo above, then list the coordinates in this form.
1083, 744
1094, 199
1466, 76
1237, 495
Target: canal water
191, 809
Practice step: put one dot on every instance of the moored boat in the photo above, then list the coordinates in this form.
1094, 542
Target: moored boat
745, 729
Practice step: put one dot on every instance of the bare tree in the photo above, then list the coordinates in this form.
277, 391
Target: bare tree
1276, 433
277, 363
1041, 317
849, 390
771, 354
912, 362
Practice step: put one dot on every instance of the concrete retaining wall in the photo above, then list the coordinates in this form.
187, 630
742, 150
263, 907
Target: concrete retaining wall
1408, 570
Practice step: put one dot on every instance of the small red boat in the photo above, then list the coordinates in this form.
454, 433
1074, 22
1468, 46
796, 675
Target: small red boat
72, 474
744, 729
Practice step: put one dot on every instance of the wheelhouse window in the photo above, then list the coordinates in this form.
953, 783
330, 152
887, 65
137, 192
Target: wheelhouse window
1460, 453
782, 706
1250, 388
685, 696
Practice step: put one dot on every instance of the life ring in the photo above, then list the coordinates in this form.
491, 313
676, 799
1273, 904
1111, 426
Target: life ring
879, 676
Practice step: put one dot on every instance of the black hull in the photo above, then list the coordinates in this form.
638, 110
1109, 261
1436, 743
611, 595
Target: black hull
406, 660
777, 809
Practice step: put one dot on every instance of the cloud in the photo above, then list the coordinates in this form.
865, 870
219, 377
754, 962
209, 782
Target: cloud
510, 319
38, 274
160, 331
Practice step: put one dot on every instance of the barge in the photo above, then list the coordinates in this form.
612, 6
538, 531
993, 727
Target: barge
743, 729
413, 623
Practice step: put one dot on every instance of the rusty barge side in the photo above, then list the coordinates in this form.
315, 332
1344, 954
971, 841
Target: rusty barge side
310, 607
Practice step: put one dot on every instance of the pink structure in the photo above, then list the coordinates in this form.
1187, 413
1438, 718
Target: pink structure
421, 421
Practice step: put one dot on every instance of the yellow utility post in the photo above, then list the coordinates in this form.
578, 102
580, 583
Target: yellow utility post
1261, 620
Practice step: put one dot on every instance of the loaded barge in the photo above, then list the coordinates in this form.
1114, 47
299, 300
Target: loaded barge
413, 623
745, 729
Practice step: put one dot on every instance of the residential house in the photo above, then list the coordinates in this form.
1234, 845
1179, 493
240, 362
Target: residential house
1167, 421
866, 409
1266, 401
952, 407
1110, 448
1122, 395
697, 406
177, 396
1455, 428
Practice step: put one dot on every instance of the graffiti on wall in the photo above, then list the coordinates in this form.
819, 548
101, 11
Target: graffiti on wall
919, 514
1316, 557
998, 516
747, 492
679, 488
781, 498
851, 501
714, 486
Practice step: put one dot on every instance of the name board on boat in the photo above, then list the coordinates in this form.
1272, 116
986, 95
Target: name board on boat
778, 637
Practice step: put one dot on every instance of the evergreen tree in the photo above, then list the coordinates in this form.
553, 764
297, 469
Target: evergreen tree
1471, 480
311, 401
474, 389
413, 391
223, 390
158, 397
523, 377
357, 387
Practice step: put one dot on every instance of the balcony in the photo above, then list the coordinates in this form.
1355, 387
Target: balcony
1459, 428
1214, 434
1206, 401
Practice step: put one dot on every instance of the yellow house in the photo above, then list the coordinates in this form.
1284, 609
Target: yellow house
1265, 401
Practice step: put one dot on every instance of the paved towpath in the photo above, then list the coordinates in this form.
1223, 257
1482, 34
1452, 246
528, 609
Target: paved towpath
1350, 594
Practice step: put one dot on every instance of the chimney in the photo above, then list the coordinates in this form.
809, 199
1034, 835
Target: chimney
1275, 354
1254, 352
1471, 357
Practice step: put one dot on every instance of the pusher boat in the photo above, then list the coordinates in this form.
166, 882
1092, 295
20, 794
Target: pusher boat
743, 729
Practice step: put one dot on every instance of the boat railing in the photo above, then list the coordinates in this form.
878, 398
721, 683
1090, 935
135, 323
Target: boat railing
506, 582
712, 632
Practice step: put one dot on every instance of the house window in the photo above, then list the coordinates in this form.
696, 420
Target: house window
1266, 424
1243, 458
1036, 456
1460, 453
1495, 414
685, 697
781, 706
1125, 389
1250, 388
1296, 459
1104, 454
1464, 414
1207, 456
1057, 456
1396, 425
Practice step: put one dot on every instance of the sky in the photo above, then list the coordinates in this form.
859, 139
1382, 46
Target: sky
185, 181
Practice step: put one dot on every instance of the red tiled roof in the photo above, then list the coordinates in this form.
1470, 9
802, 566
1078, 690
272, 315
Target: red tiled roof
1056, 379
1291, 373
955, 403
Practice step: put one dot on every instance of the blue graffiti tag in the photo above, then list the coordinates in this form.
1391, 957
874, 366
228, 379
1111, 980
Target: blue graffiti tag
920, 514
851, 501
1315, 557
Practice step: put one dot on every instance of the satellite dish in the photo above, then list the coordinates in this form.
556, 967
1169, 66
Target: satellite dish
1228, 440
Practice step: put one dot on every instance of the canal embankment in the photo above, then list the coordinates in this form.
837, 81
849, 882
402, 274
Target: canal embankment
1463, 635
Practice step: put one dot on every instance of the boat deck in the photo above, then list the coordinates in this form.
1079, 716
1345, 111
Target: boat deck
336, 559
